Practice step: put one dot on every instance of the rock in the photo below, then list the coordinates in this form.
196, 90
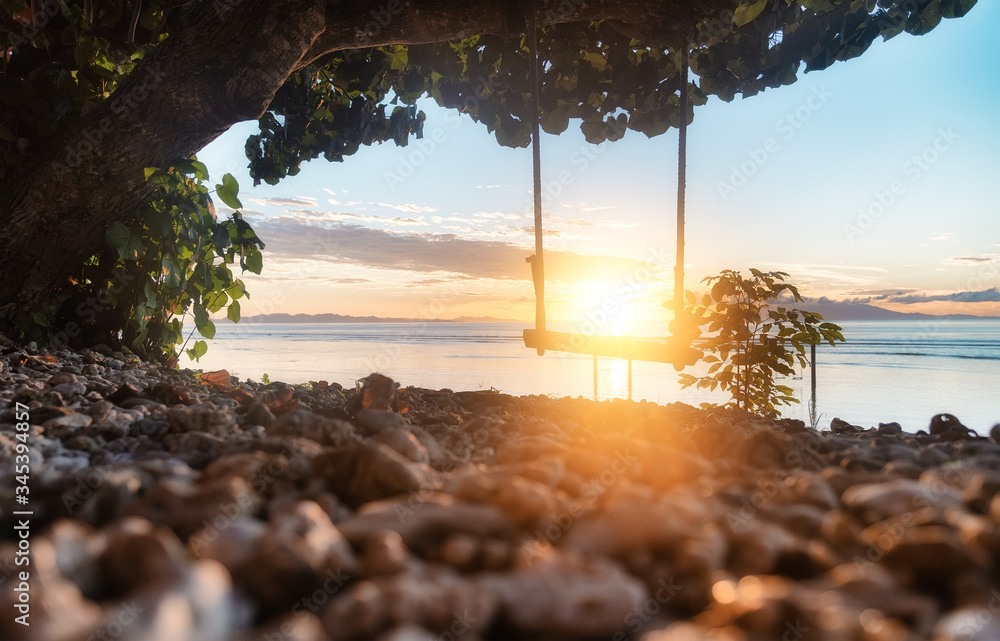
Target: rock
995, 434
259, 414
60, 378
205, 417
460, 551
948, 427
405, 443
839, 426
969, 624
654, 523
893, 429
74, 420
384, 553
424, 523
100, 410
301, 626
305, 424
232, 546
929, 555
268, 474
561, 595
68, 390
367, 472
187, 508
759, 547
198, 605
57, 609
291, 559
531, 448
409, 633
371, 422
840, 530
434, 598
194, 448
139, 552
77, 550
878, 501
526, 502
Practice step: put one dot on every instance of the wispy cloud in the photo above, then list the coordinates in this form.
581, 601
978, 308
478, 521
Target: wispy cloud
409, 208
984, 296
292, 237
303, 201
941, 235
972, 260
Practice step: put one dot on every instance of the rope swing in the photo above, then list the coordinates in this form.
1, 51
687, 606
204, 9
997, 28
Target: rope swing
677, 350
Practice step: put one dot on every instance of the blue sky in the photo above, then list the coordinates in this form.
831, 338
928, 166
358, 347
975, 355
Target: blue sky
871, 180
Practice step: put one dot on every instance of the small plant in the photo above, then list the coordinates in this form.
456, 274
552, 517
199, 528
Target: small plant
750, 338
175, 259
265, 379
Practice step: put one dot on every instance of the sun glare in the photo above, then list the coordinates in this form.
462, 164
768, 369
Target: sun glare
617, 309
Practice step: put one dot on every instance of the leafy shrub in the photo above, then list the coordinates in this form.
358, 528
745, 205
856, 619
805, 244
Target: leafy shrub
172, 259
750, 338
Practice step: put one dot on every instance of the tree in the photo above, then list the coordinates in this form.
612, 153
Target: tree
93, 93
751, 337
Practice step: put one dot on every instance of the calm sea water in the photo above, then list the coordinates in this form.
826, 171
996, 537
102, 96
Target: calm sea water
903, 371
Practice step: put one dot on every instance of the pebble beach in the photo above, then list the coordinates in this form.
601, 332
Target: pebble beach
175, 505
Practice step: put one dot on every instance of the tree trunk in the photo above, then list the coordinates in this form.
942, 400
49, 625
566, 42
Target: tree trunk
222, 69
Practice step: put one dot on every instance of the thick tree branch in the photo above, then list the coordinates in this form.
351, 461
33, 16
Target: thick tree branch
223, 67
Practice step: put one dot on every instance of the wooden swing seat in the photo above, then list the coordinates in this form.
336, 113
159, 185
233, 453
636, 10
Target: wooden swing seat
634, 349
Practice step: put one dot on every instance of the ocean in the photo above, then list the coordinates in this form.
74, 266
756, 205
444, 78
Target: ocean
903, 371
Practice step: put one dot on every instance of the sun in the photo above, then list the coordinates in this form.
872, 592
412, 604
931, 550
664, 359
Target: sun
609, 309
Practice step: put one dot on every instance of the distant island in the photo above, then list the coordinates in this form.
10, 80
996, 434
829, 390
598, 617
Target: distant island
832, 311
340, 318
840, 311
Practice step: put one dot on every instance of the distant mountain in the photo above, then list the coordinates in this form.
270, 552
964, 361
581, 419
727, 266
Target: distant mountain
339, 318
834, 311
484, 319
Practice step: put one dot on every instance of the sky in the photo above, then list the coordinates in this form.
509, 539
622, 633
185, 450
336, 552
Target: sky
871, 181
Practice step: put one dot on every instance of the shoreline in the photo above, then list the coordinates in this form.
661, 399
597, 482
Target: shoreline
246, 511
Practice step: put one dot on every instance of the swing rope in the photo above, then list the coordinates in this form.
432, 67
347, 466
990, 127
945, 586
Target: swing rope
678, 328
681, 191
537, 261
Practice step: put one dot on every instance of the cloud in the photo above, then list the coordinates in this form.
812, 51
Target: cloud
972, 260
941, 235
339, 242
304, 201
984, 296
297, 276
880, 294
409, 208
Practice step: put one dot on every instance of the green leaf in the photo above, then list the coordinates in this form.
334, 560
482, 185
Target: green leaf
956, 8
207, 330
128, 246
228, 197
746, 13
233, 313
254, 260
228, 192
928, 18
200, 349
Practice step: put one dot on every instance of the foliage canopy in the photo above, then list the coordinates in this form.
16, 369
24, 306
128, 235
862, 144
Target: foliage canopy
62, 59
